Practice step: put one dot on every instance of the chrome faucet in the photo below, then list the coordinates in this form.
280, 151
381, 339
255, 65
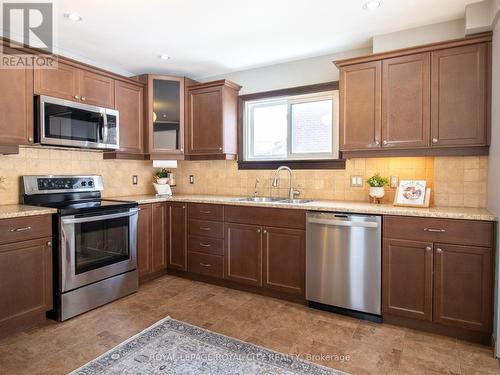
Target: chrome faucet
255, 187
292, 192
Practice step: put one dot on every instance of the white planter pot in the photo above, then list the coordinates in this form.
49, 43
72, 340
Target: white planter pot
162, 181
377, 192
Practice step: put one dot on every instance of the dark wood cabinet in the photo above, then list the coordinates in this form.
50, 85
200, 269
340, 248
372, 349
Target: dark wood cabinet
243, 253
16, 105
360, 106
177, 249
460, 81
96, 89
283, 261
407, 278
144, 240
212, 120
406, 101
129, 103
463, 286
26, 287
160, 225
62, 82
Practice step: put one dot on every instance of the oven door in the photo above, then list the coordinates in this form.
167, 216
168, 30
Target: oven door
66, 123
95, 247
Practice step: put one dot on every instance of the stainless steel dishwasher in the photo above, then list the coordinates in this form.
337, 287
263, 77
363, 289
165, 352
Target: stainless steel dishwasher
343, 263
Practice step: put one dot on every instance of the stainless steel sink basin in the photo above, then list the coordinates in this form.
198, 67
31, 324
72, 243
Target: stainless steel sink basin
296, 201
259, 199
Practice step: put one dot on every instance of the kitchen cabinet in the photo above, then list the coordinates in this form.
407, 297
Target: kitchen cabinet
25, 272
212, 120
96, 89
425, 100
439, 271
177, 219
152, 240
283, 260
16, 105
460, 80
244, 253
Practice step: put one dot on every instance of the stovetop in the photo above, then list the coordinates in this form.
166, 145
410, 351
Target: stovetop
85, 206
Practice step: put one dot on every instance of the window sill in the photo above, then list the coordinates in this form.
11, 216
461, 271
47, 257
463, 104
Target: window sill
294, 164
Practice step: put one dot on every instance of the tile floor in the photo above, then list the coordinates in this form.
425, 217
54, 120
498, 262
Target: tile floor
347, 344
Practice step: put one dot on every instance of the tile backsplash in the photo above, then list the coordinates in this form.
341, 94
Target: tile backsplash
455, 181
117, 174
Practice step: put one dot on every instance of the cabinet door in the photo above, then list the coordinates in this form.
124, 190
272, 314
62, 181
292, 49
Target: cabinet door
360, 106
16, 105
177, 258
62, 82
284, 260
243, 253
129, 102
406, 101
25, 282
159, 248
144, 240
459, 96
96, 89
205, 121
463, 286
407, 279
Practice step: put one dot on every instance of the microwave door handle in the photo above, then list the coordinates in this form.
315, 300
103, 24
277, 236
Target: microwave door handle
100, 127
88, 219
105, 121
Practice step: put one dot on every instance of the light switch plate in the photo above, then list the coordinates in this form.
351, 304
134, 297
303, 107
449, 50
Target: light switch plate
356, 181
394, 182
191, 179
135, 180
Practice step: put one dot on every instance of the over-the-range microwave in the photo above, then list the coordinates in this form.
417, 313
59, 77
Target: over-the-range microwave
65, 123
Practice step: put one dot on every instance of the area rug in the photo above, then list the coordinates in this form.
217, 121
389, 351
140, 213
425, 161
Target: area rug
174, 347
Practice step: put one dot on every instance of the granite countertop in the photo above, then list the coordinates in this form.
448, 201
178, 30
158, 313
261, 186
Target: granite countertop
20, 210
325, 205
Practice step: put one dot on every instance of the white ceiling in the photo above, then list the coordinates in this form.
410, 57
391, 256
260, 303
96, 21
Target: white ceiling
211, 37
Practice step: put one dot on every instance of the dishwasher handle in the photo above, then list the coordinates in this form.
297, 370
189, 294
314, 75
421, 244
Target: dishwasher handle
343, 223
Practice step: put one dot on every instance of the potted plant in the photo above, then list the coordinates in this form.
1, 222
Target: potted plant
161, 176
377, 183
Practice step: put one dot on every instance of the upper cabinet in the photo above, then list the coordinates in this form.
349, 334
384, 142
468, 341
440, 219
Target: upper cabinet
212, 120
72, 83
427, 100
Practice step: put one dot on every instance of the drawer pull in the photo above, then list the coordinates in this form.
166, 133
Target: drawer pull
428, 248
205, 212
205, 264
204, 245
205, 228
434, 230
23, 229
438, 250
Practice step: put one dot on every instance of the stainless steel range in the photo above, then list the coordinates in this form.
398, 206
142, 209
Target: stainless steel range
96, 239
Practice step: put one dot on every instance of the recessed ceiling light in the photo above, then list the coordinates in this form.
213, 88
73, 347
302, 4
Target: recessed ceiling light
73, 17
372, 4
164, 57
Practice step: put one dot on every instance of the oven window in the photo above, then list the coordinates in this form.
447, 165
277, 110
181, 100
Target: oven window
101, 243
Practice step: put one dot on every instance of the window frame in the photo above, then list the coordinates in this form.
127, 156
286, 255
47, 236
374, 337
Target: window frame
302, 161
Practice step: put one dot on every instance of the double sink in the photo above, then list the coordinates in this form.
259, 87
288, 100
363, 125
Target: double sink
272, 200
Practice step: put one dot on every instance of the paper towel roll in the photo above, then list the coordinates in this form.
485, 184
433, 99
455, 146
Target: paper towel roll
164, 163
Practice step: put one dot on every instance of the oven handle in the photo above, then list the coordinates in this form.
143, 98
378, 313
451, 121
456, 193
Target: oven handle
73, 220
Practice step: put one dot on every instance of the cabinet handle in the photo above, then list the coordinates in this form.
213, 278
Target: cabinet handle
377, 143
30, 139
205, 264
258, 230
49, 243
183, 206
439, 251
23, 229
76, 97
385, 143
205, 245
206, 212
434, 230
205, 228
220, 148
83, 98
182, 150
428, 248
434, 140
265, 231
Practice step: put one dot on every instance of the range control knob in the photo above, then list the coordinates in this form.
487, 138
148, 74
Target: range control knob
84, 183
91, 183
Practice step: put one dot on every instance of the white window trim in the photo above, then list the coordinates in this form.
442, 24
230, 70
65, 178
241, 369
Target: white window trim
248, 134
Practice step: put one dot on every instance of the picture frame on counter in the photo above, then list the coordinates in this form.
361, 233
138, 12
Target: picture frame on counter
413, 193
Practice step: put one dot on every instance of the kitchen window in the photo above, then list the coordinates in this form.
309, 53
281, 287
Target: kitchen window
290, 128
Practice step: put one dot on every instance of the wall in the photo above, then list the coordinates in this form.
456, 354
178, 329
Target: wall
37, 161
494, 170
456, 181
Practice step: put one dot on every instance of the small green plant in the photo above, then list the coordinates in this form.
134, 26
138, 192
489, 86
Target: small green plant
377, 181
161, 173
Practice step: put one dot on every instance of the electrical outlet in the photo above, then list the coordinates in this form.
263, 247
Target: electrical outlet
394, 182
191, 179
356, 181
135, 180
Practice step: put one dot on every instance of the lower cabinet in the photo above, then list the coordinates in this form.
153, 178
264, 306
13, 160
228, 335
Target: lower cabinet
177, 239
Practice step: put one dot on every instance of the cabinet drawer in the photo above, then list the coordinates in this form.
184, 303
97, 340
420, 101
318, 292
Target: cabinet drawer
274, 217
25, 228
205, 211
205, 264
206, 245
461, 232
205, 228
